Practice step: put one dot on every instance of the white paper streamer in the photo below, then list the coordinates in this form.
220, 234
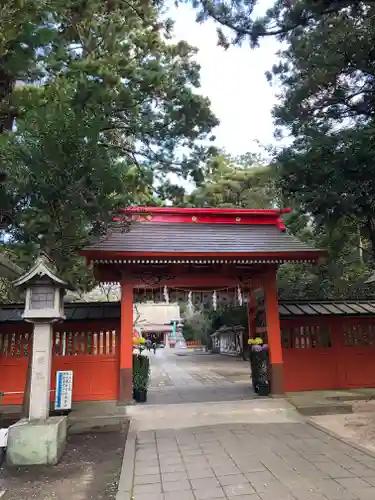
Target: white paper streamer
190, 303
166, 294
239, 295
214, 300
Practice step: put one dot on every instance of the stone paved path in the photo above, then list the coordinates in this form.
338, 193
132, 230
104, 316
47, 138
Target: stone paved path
290, 461
245, 449
197, 378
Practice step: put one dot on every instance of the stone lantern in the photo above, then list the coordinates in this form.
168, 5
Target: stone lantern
44, 292
40, 439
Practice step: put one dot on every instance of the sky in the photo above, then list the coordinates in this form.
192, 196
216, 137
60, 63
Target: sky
235, 82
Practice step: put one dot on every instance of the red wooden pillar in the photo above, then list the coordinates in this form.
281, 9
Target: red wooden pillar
274, 334
126, 343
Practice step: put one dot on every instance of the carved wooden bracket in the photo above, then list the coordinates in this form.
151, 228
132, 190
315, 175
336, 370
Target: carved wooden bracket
152, 280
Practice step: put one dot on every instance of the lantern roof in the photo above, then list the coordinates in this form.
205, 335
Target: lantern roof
43, 268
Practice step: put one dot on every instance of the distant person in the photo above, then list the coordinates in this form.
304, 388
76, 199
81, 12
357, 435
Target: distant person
154, 346
148, 343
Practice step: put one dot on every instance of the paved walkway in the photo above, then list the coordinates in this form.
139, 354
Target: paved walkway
197, 378
256, 449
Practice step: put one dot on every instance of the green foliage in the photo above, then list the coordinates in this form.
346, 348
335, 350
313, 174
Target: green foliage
241, 20
196, 326
229, 316
326, 73
347, 267
141, 372
61, 179
326, 77
189, 331
116, 103
241, 182
24, 28
343, 275
8, 293
205, 322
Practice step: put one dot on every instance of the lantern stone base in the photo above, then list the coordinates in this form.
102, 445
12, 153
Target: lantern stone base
39, 442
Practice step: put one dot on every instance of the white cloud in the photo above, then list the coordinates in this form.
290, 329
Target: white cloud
234, 80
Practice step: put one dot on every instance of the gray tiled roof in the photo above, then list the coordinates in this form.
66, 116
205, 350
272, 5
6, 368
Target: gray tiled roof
327, 308
200, 238
73, 312
287, 309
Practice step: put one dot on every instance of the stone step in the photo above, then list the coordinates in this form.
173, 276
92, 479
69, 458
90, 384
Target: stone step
323, 408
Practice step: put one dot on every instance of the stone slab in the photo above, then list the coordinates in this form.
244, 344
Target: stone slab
326, 408
36, 442
314, 403
126, 482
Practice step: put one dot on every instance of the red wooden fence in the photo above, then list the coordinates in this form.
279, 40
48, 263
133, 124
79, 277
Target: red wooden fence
319, 353
193, 343
90, 350
328, 353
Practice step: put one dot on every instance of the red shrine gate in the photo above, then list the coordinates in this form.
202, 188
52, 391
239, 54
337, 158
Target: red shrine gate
203, 254
187, 249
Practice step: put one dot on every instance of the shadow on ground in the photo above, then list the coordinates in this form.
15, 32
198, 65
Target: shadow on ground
172, 395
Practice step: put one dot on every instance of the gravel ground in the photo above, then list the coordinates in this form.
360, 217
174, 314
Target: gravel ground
89, 470
358, 426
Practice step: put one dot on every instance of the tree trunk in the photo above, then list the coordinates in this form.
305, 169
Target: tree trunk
371, 234
7, 115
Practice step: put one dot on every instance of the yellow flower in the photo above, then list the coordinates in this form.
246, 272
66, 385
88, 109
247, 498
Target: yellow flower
139, 341
256, 341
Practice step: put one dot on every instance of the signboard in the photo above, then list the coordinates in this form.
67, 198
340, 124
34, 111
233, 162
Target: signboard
3, 438
64, 389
